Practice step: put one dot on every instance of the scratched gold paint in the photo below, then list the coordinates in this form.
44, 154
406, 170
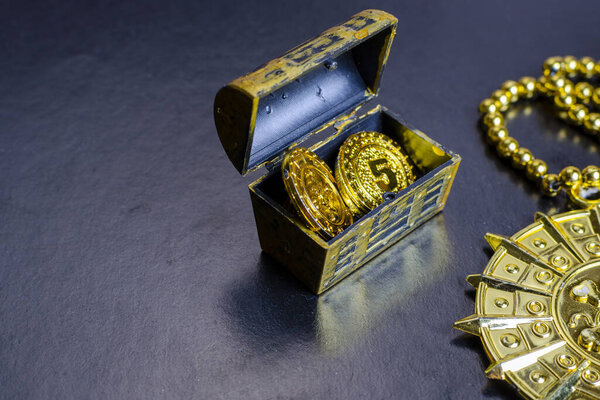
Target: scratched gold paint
305, 57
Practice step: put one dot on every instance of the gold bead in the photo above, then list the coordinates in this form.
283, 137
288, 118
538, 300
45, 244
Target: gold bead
536, 169
591, 175
578, 113
493, 119
584, 91
587, 66
552, 66
569, 176
555, 82
507, 147
597, 69
513, 88
568, 88
527, 87
540, 85
521, 158
564, 101
571, 66
596, 97
558, 82
502, 99
487, 106
592, 123
497, 133
550, 185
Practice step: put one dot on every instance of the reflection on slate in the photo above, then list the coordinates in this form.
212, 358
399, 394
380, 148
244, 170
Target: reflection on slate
270, 308
283, 313
493, 387
542, 117
346, 313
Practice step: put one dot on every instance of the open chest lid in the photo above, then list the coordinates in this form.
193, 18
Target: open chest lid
259, 115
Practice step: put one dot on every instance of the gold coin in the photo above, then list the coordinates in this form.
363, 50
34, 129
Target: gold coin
310, 184
370, 164
351, 202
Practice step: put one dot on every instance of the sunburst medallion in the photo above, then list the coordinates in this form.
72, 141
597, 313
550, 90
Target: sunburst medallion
537, 309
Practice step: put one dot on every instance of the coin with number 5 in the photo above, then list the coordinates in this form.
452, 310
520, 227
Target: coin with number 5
369, 165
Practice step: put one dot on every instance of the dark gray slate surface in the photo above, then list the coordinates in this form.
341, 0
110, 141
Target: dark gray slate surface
129, 261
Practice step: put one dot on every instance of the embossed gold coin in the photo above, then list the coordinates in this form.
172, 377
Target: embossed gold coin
370, 164
537, 309
311, 187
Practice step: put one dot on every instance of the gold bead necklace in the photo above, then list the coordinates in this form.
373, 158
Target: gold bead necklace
564, 81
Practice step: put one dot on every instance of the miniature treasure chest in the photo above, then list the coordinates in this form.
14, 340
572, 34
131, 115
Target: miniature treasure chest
317, 90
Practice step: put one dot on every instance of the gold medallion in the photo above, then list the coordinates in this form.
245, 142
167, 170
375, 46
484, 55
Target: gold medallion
537, 309
311, 187
370, 164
